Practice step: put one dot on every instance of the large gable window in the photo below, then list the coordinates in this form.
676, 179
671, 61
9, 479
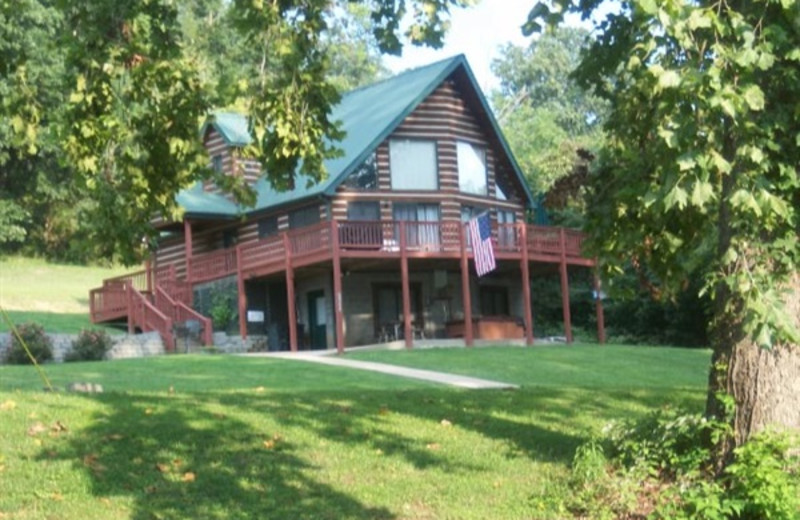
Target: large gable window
472, 169
365, 177
413, 164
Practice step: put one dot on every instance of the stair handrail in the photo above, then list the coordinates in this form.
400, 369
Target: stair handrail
177, 306
140, 308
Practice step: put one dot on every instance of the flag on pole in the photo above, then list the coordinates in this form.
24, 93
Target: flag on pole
480, 231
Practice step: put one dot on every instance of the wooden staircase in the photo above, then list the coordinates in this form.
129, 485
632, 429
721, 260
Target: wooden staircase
163, 306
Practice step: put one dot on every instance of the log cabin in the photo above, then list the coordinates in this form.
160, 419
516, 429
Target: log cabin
379, 251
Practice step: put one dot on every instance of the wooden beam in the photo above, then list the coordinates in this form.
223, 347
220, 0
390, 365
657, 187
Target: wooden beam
242, 294
407, 332
148, 273
287, 247
187, 244
565, 288
466, 298
598, 306
338, 312
526, 284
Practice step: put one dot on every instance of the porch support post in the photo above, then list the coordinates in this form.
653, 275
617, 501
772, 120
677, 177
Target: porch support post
526, 284
242, 294
148, 273
287, 247
187, 241
131, 310
598, 306
407, 332
338, 312
565, 287
465, 293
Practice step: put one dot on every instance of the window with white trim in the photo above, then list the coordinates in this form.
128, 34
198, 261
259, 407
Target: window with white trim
413, 164
472, 169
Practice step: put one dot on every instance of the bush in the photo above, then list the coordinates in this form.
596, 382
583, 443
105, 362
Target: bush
658, 467
90, 345
38, 343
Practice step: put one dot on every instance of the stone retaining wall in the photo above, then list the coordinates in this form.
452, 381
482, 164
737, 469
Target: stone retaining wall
125, 346
146, 344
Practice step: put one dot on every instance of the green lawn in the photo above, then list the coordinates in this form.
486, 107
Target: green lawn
230, 437
55, 296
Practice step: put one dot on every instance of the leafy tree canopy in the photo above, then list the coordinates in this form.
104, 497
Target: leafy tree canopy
545, 115
139, 76
699, 174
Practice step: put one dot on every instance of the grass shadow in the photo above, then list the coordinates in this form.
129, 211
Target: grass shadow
177, 459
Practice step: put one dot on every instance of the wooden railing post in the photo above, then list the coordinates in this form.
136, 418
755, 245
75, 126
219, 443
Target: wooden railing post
338, 311
131, 311
564, 274
287, 245
407, 332
242, 300
526, 284
187, 240
466, 298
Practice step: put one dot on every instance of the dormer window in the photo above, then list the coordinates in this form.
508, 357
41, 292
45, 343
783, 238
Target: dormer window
413, 164
216, 163
472, 169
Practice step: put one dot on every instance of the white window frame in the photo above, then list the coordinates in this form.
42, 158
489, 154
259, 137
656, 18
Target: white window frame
473, 175
409, 171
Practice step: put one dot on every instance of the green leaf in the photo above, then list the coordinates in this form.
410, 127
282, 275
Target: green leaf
702, 193
754, 97
677, 196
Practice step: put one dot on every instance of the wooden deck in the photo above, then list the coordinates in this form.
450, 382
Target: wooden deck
347, 239
155, 299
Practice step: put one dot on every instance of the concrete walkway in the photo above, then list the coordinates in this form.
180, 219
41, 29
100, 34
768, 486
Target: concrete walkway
411, 373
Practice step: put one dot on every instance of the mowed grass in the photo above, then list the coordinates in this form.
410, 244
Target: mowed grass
55, 296
236, 437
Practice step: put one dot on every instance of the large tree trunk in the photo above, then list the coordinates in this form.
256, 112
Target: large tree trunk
764, 384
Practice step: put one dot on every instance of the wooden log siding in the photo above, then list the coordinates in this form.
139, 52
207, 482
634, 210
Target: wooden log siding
215, 144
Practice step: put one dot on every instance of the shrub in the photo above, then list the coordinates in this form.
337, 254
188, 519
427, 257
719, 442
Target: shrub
38, 343
90, 345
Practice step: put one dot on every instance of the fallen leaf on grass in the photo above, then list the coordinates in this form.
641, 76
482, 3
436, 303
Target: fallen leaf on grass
163, 468
188, 477
58, 427
36, 428
91, 461
148, 411
177, 462
57, 496
446, 423
8, 405
114, 437
433, 446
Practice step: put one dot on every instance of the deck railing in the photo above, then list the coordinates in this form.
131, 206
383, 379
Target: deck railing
145, 316
179, 312
315, 242
213, 265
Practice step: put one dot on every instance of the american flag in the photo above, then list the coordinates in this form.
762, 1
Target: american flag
480, 231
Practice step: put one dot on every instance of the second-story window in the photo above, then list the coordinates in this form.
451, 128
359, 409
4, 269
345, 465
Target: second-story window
472, 169
363, 210
267, 227
365, 177
304, 217
216, 163
413, 164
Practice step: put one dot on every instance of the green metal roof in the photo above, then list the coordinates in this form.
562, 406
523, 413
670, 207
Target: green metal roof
368, 115
232, 127
199, 203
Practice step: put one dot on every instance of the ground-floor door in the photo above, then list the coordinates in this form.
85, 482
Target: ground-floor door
317, 320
